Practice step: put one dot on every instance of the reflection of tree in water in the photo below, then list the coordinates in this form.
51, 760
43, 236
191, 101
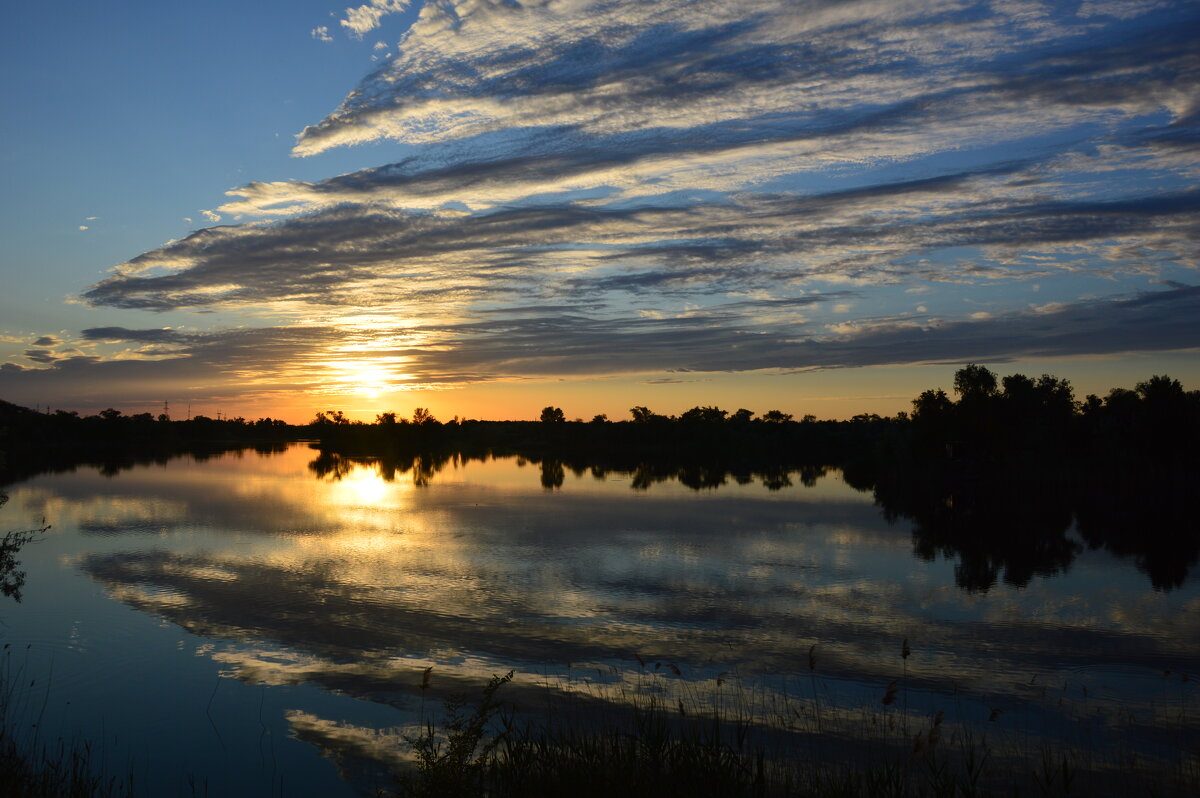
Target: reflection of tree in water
1151, 519
423, 467
115, 459
333, 466
1008, 529
552, 474
709, 476
643, 474
778, 479
1015, 527
1000, 524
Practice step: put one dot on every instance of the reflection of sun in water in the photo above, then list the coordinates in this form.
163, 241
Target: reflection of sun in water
362, 486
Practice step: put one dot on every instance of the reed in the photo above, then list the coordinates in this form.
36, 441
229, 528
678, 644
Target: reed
32, 768
652, 733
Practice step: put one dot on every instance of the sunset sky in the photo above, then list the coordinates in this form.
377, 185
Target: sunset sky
483, 208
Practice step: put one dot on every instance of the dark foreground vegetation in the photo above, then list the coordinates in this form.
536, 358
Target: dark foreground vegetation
28, 768
645, 737
61, 771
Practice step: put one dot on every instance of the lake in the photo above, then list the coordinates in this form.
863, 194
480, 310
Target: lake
260, 623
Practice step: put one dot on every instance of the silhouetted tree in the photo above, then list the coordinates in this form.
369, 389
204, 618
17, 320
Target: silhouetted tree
643, 415
1035, 416
974, 382
552, 415
1161, 392
742, 416
704, 415
1167, 424
933, 422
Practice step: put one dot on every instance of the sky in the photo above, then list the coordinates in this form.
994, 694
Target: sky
485, 207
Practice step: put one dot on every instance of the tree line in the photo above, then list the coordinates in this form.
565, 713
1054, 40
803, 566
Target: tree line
1019, 416
984, 418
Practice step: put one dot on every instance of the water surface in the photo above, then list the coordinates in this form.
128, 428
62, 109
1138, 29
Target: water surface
260, 623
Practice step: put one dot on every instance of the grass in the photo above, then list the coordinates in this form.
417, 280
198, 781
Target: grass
60, 771
650, 731
27, 768
31, 768
659, 736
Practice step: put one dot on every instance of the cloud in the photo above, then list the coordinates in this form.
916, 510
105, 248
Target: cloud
41, 355
273, 361
702, 186
469, 68
1149, 322
321, 34
366, 18
215, 365
1158, 321
212, 592
879, 235
122, 334
484, 173
47, 340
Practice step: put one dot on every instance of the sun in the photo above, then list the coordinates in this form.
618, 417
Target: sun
369, 380
367, 363
358, 376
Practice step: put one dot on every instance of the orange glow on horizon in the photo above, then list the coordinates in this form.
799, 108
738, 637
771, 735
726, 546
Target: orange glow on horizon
362, 386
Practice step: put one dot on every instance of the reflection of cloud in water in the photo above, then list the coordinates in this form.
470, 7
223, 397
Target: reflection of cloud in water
359, 741
108, 514
369, 637
356, 583
810, 716
156, 599
363, 755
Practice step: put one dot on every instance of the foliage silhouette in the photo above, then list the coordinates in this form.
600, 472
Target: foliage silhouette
12, 578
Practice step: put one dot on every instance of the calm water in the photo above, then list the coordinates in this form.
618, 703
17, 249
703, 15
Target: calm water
261, 627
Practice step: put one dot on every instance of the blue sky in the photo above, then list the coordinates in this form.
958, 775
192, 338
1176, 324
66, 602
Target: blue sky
485, 207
